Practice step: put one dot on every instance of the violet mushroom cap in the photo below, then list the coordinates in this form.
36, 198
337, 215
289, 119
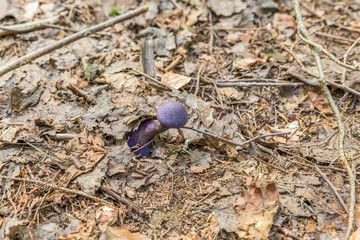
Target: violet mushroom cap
172, 114
169, 115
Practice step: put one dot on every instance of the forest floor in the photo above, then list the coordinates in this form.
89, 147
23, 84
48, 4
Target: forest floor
66, 171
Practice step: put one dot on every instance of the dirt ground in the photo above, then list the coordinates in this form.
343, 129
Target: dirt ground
265, 162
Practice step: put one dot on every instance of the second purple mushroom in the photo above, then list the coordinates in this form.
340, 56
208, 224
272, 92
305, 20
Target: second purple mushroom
169, 115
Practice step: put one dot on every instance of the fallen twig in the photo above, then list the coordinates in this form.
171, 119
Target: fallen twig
286, 232
27, 27
153, 79
65, 41
303, 203
88, 96
327, 53
120, 199
59, 188
47, 155
315, 48
343, 77
335, 37
331, 83
256, 84
333, 188
232, 142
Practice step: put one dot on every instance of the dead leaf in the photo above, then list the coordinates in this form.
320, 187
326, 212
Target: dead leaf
90, 181
123, 234
246, 63
257, 207
192, 18
284, 23
11, 9
243, 215
226, 7
355, 235
311, 227
201, 160
175, 80
31, 9
84, 230
106, 216
232, 93
190, 65
8, 134
10, 227
320, 102
89, 148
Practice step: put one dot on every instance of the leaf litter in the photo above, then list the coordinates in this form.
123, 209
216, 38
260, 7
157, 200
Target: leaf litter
64, 116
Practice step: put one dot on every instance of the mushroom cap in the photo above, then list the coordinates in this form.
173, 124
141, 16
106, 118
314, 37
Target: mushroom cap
172, 114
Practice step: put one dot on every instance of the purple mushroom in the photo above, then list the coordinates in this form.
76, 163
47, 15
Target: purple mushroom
169, 115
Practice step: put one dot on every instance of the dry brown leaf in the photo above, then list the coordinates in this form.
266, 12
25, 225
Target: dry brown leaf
27, 132
189, 236
246, 63
355, 235
202, 161
8, 134
175, 80
243, 215
232, 93
106, 216
192, 18
89, 148
123, 234
285, 24
254, 208
226, 7
84, 231
311, 227
319, 101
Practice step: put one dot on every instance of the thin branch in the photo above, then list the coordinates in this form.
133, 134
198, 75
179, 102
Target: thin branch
333, 188
305, 5
327, 53
58, 188
152, 79
65, 41
47, 155
122, 200
297, 60
339, 38
315, 48
256, 84
331, 83
27, 27
232, 142
343, 77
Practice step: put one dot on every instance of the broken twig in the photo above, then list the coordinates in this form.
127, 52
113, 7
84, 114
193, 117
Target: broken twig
65, 41
316, 49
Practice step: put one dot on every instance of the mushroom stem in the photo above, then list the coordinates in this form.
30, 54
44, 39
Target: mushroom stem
169, 115
150, 129
138, 139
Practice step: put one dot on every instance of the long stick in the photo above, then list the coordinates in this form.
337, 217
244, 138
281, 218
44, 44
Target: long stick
27, 27
65, 41
316, 48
